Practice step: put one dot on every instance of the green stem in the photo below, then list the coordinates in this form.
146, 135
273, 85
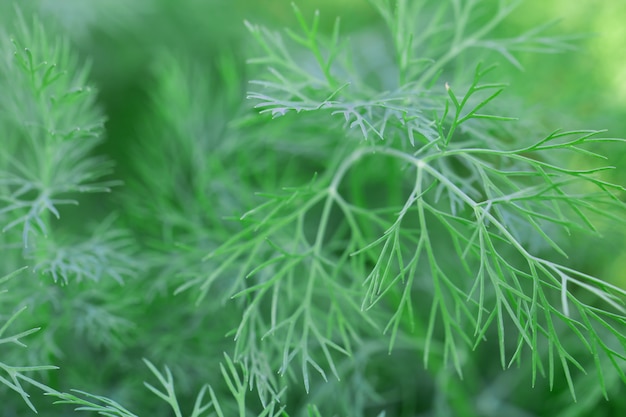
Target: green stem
458, 47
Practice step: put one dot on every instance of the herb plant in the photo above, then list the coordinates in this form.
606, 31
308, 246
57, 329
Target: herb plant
342, 225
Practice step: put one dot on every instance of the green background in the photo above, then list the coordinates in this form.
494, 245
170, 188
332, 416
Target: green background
583, 88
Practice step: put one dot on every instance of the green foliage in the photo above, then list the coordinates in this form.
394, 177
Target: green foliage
355, 222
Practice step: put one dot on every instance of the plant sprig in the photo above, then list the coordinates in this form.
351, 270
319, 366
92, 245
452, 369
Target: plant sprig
16, 374
504, 202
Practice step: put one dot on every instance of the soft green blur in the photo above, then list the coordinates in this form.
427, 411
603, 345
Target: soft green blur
123, 39
583, 88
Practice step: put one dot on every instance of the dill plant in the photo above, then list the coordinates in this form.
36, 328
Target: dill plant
355, 231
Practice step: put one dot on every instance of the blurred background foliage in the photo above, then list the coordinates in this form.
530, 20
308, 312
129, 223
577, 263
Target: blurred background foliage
126, 42
583, 88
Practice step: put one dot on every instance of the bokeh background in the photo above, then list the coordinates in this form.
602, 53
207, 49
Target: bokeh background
583, 88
